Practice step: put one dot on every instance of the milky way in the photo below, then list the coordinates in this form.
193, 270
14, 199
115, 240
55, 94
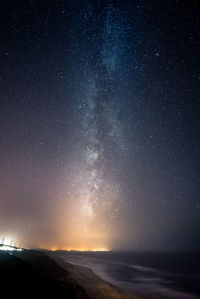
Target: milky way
99, 124
97, 189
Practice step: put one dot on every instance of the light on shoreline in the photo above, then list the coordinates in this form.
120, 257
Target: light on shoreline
9, 248
7, 244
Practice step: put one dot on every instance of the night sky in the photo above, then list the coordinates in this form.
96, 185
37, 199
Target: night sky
99, 124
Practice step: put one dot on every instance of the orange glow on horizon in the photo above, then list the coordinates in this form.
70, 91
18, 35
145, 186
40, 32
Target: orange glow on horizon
81, 249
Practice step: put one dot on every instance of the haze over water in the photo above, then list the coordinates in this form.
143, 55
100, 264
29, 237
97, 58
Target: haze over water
146, 274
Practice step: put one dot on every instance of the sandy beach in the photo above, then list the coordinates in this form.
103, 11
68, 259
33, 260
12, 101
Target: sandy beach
33, 273
50, 274
95, 287
104, 277
46, 275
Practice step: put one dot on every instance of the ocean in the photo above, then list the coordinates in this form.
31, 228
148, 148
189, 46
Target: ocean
158, 275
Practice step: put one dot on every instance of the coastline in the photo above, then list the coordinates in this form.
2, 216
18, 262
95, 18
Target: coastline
46, 274
98, 287
32, 272
51, 275
94, 286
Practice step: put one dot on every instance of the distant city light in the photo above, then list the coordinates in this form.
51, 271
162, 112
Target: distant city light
7, 244
9, 248
82, 249
87, 249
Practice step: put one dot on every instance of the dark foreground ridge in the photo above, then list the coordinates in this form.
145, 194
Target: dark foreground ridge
32, 274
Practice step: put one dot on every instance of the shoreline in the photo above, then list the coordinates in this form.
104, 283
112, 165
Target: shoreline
50, 274
34, 272
94, 286
99, 288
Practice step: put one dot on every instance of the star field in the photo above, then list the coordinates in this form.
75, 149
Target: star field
99, 124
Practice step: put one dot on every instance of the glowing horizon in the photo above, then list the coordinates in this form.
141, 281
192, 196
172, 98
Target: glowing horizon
82, 249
